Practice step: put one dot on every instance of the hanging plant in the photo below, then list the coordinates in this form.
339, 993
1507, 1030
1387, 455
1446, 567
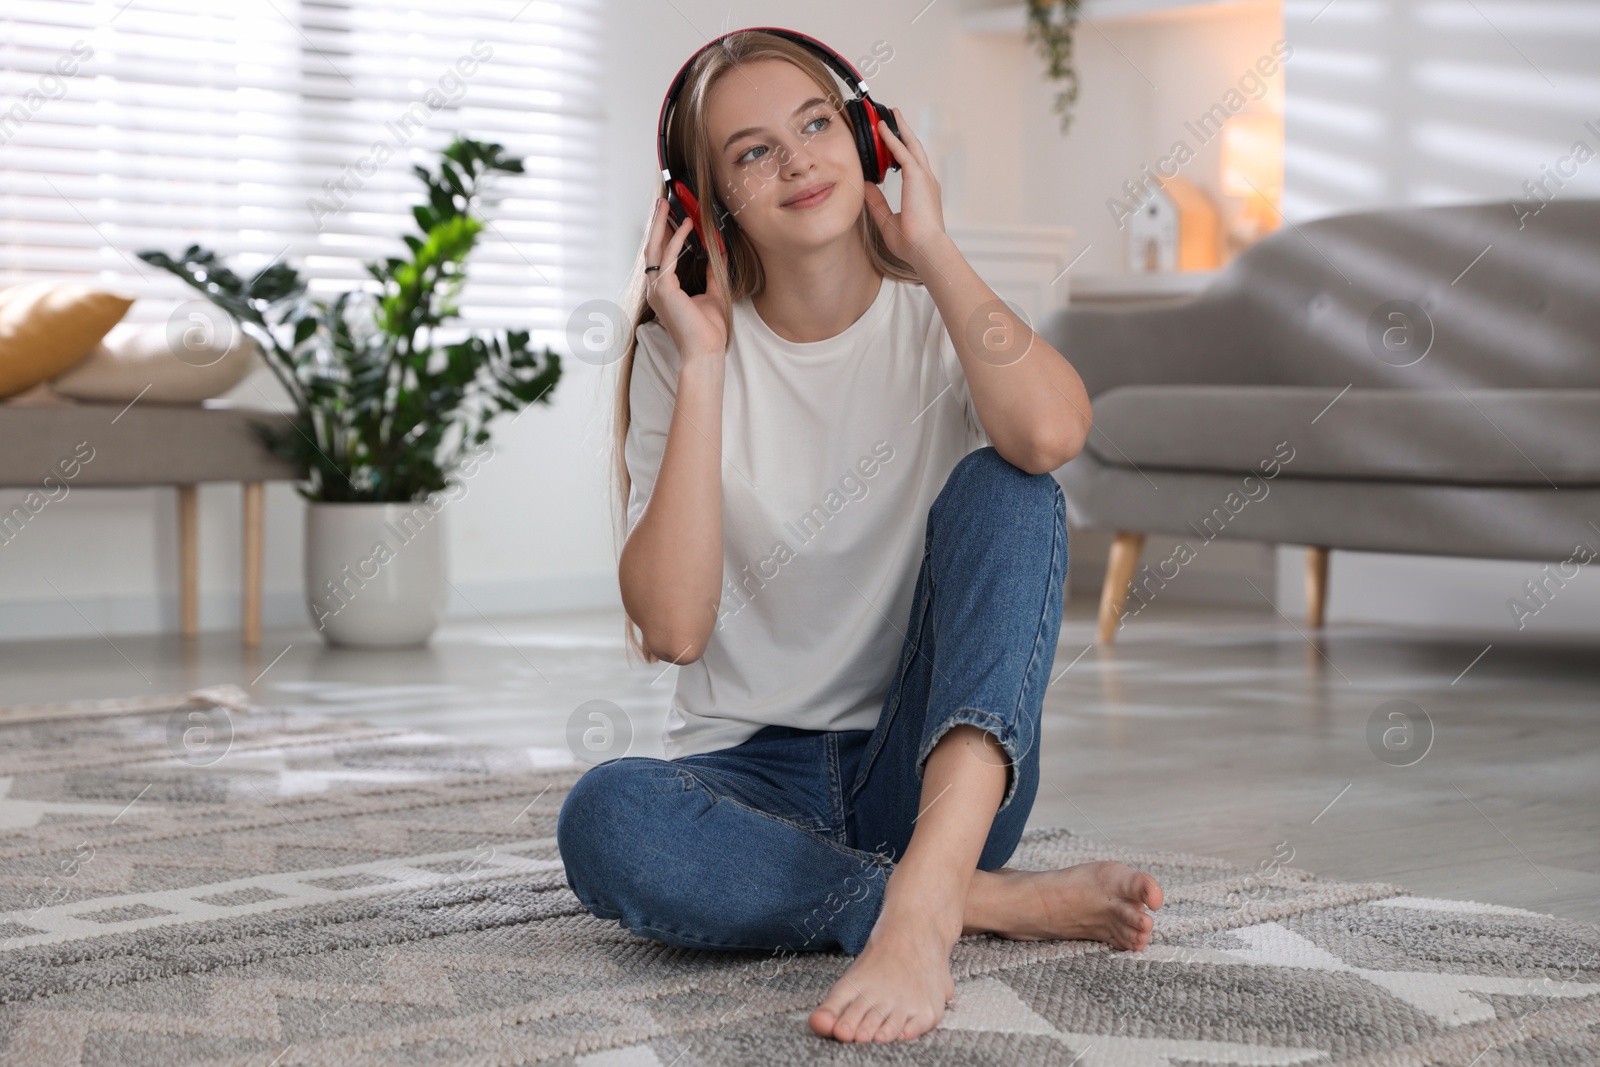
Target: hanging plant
1051, 25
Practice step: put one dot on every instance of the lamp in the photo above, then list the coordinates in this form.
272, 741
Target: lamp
1252, 167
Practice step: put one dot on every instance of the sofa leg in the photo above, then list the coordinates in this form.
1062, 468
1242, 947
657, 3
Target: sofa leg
1316, 586
188, 560
1120, 566
250, 586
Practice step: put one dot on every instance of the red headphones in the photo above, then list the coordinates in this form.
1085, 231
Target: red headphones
862, 111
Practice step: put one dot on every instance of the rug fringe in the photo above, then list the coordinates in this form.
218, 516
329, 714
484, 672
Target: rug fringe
232, 697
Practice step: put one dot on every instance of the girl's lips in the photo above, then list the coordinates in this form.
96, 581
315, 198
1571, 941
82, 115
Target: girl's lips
812, 200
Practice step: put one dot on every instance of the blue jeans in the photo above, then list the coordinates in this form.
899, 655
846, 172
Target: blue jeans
785, 841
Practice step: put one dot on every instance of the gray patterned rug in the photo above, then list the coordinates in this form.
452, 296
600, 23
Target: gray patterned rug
187, 880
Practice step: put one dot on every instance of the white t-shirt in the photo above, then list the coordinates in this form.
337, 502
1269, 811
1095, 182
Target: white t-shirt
832, 453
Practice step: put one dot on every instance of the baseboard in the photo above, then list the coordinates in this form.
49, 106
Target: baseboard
1220, 573
22, 620
1449, 593
534, 596
1227, 588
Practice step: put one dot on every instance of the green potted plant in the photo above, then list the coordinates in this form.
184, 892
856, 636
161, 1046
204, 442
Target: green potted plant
392, 405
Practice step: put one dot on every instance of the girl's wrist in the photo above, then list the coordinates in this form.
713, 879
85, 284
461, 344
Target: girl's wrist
694, 359
937, 248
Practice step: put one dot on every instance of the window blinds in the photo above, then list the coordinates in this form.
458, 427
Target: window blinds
288, 128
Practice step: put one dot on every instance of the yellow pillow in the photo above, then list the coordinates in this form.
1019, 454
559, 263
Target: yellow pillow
46, 327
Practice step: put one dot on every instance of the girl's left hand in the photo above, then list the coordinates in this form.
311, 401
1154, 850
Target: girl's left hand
915, 230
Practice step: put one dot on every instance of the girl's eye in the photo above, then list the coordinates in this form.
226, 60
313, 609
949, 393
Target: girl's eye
748, 158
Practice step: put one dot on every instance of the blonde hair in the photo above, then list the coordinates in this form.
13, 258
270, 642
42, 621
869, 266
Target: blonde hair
689, 151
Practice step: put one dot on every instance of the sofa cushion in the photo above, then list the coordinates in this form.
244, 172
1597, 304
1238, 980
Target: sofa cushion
1527, 522
1509, 437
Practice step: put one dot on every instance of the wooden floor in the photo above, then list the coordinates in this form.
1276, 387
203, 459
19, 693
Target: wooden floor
1206, 730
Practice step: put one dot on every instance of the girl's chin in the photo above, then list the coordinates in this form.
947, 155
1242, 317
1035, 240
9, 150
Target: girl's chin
807, 242
814, 225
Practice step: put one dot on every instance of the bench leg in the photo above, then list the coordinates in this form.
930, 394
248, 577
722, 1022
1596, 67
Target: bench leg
1316, 586
250, 624
1123, 562
189, 560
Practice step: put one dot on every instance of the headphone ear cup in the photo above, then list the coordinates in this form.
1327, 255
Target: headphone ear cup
866, 139
876, 159
894, 128
685, 208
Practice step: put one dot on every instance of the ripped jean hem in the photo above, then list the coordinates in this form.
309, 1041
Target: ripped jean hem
991, 724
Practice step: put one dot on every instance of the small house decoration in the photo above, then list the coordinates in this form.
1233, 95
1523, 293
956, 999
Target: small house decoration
1176, 228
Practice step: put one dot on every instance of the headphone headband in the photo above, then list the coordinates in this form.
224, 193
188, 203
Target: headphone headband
861, 111
838, 63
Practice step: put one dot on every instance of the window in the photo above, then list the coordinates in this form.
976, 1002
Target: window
268, 128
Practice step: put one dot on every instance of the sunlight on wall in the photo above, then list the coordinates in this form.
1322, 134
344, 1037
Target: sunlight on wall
1395, 102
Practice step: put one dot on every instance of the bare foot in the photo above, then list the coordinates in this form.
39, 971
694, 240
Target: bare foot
1100, 901
897, 988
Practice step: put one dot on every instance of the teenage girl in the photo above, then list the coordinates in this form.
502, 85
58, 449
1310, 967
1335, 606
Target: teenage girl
836, 445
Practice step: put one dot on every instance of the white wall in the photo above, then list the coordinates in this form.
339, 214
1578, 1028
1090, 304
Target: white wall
534, 530
1395, 102
1140, 82
1436, 101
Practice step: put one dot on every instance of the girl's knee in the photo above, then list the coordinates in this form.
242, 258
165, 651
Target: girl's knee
984, 476
601, 821
635, 852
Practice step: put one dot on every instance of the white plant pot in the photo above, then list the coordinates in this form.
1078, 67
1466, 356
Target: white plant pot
375, 572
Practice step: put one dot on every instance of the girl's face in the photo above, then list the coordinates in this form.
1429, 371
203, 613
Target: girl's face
775, 138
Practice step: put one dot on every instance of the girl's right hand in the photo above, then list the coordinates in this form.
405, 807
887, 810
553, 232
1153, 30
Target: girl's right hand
695, 322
